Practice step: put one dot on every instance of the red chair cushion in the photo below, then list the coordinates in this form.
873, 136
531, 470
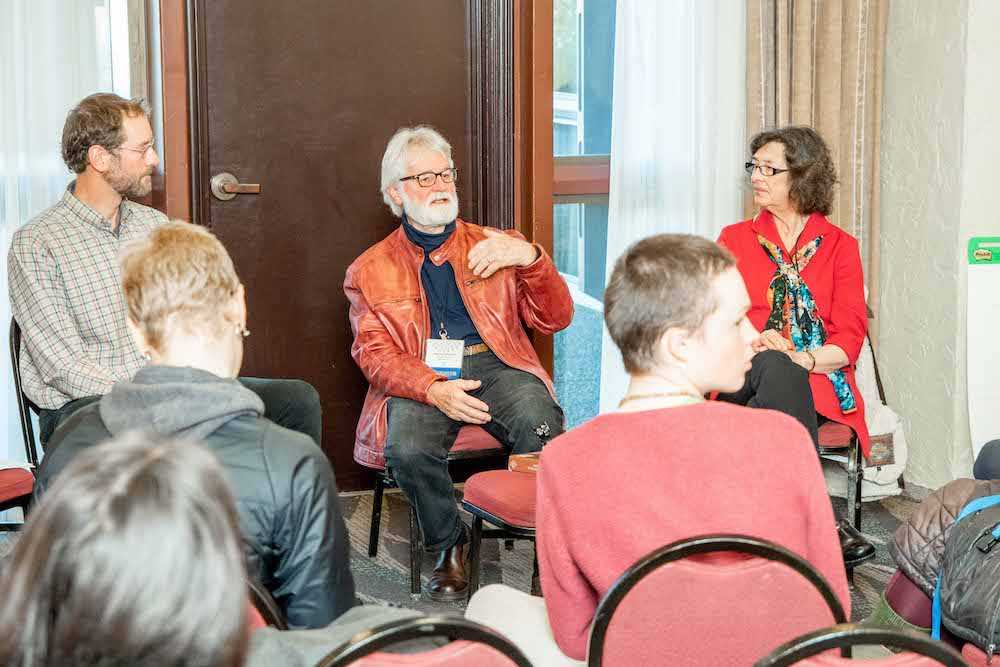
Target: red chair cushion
505, 494
834, 435
456, 654
15, 482
973, 655
474, 438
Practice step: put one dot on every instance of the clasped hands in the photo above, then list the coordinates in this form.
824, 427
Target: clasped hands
771, 339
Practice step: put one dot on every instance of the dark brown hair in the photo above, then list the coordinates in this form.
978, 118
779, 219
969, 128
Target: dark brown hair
98, 120
661, 282
810, 166
133, 557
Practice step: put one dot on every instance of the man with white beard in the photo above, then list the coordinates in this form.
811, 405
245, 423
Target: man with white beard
438, 310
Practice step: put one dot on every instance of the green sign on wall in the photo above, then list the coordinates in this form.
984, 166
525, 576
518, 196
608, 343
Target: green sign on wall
984, 250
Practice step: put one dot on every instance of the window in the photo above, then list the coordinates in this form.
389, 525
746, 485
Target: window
583, 68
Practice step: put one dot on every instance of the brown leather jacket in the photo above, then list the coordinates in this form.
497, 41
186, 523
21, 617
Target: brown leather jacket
390, 320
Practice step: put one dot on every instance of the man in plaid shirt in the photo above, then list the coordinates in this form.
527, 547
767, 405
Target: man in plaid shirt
65, 290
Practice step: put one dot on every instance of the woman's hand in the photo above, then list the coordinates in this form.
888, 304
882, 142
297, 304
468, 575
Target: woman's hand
772, 340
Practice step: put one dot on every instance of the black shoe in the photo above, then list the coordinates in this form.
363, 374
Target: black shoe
449, 581
853, 545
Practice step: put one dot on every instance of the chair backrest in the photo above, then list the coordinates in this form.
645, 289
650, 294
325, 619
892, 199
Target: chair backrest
812, 648
266, 606
473, 644
741, 597
24, 404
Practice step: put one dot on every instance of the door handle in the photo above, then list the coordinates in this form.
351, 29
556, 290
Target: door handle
225, 186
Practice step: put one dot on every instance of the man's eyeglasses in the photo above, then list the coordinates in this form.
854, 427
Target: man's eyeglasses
141, 150
428, 178
764, 169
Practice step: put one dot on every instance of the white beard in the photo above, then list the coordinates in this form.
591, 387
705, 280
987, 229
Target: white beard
429, 214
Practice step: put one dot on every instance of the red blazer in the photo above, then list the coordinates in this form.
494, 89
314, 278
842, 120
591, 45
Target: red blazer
836, 280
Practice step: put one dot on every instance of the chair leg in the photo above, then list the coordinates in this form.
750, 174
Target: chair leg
376, 516
536, 582
416, 553
854, 476
475, 541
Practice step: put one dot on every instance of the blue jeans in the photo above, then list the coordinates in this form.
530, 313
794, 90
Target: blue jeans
523, 418
293, 404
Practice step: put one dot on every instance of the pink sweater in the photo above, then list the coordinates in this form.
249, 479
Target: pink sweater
624, 484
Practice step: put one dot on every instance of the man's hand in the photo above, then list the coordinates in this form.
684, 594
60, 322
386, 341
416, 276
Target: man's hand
772, 340
498, 251
450, 398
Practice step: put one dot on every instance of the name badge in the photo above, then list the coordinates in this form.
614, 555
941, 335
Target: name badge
445, 356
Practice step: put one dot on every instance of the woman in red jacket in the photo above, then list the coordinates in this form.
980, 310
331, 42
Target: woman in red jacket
806, 289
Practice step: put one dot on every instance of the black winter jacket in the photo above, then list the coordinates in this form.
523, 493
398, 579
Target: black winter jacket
290, 517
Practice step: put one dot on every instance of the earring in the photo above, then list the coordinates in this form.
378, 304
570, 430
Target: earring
147, 356
241, 330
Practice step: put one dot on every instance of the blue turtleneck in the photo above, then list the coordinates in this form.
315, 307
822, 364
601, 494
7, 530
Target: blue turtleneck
444, 301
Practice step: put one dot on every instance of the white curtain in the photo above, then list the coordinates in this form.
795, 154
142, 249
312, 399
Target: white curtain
52, 54
677, 131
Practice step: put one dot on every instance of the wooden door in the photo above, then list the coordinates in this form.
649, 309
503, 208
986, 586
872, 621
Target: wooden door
301, 98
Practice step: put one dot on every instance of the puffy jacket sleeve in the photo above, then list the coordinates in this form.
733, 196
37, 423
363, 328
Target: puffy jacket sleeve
312, 574
848, 321
384, 364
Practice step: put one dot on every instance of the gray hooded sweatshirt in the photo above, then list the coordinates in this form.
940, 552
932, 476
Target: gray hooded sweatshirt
290, 517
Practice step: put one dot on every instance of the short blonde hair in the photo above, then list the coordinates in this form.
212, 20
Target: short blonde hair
179, 269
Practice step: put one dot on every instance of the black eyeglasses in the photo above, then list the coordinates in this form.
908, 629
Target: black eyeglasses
764, 169
427, 178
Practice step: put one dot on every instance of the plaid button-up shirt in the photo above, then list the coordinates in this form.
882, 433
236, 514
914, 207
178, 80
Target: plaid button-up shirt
65, 293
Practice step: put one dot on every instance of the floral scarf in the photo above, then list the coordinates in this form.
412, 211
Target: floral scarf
794, 314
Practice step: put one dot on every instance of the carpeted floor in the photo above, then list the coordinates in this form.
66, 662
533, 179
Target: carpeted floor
385, 579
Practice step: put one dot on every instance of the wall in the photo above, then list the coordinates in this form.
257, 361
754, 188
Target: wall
937, 147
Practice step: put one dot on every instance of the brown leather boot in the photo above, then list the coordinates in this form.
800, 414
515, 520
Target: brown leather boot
449, 581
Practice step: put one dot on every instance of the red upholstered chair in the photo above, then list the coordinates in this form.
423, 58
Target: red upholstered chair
473, 644
472, 443
814, 649
17, 484
720, 608
264, 610
839, 440
505, 499
974, 656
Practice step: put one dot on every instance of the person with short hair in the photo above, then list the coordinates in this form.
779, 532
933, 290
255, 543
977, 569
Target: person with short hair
806, 288
63, 276
667, 465
186, 310
133, 558
439, 310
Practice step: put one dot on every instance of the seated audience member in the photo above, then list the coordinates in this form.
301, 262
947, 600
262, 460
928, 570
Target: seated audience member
805, 282
668, 464
133, 558
187, 312
435, 281
64, 284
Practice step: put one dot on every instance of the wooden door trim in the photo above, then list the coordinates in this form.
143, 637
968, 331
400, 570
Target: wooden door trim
198, 96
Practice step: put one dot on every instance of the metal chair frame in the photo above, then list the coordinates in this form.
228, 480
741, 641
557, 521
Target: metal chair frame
384, 480
694, 546
24, 409
453, 627
268, 607
849, 634
855, 459
505, 531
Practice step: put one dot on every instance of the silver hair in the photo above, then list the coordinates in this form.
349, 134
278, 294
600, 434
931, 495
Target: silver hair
398, 151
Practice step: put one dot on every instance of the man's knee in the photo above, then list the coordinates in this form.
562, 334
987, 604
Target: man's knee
535, 419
